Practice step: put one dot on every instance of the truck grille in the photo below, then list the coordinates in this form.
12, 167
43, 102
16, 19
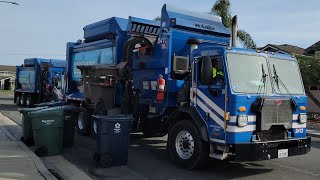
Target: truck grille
275, 112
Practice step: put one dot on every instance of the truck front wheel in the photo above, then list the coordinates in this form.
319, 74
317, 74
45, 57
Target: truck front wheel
186, 148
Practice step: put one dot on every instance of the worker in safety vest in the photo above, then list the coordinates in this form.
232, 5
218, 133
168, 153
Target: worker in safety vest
217, 73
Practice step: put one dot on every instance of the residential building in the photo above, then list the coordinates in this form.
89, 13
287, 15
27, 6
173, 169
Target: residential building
7, 77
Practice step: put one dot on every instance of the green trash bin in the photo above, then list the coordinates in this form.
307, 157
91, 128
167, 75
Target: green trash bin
27, 135
47, 125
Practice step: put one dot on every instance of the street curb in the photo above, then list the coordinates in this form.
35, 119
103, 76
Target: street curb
36, 160
313, 135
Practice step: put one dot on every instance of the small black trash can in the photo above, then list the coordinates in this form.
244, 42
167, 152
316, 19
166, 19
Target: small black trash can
112, 139
71, 114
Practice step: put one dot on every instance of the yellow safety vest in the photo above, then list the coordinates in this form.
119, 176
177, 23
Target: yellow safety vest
215, 73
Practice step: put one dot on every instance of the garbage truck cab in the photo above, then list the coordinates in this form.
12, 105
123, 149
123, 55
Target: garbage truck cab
212, 99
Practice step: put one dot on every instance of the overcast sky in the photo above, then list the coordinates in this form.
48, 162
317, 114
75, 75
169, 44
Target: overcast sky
41, 28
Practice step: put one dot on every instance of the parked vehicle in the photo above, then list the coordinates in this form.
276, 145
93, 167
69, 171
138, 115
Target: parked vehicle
181, 77
38, 80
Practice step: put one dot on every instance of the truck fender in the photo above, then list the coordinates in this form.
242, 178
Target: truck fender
191, 114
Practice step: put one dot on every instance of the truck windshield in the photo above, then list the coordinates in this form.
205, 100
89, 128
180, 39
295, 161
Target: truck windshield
99, 56
287, 72
249, 74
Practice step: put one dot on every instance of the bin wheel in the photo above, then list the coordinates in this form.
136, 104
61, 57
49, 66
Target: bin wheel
105, 160
23, 100
186, 148
41, 151
29, 101
96, 157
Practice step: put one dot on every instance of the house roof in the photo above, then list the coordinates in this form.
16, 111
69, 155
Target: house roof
4, 77
314, 47
7, 68
283, 48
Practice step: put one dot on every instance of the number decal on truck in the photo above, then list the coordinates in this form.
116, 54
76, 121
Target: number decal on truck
299, 130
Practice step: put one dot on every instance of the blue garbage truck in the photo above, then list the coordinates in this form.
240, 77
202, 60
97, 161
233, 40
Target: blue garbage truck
39, 80
184, 76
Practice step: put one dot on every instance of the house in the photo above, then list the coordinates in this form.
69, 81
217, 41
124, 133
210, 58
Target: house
284, 48
313, 50
7, 77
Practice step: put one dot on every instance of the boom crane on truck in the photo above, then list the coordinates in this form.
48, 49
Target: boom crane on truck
164, 79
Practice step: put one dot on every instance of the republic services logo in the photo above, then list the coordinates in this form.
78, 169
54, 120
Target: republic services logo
117, 128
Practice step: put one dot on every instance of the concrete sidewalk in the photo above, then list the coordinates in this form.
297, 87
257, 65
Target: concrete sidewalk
313, 133
17, 161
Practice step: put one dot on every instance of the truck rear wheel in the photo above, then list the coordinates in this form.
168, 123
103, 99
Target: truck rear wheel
23, 100
82, 125
94, 128
18, 99
29, 101
186, 148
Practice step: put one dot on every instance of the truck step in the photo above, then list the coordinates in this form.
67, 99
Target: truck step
219, 156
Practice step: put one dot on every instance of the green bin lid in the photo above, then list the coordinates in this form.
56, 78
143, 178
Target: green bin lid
52, 111
26, 110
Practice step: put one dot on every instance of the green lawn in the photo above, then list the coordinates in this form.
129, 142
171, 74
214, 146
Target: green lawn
7, 91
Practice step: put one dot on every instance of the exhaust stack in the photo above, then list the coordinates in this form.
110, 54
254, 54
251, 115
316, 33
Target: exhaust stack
234, 30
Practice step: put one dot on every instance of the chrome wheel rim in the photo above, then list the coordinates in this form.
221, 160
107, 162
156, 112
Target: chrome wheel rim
81, 121
184, 145
21, 100
95, 126
28, 102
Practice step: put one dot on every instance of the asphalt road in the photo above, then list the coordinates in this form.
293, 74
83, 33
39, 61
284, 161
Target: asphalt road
148, 158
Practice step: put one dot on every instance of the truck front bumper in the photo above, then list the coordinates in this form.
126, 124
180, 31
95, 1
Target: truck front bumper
258, 151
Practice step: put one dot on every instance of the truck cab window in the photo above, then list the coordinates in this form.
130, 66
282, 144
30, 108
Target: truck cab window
217, 70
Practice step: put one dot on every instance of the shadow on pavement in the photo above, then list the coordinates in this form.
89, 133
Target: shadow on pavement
6, 99
8, 107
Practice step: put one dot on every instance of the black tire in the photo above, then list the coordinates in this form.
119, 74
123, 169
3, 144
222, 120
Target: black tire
82, 124
200, 155
29, 102
105, 160
23, 100
18, 98
94, 128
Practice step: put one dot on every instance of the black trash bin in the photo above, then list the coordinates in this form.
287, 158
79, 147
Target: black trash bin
112, 139
71, 114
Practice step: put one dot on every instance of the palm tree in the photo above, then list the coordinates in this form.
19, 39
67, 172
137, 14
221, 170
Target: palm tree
222, 8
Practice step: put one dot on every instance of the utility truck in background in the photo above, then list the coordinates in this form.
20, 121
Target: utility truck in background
38, 80
182, 77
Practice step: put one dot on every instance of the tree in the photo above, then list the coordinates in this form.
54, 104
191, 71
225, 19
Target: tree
157, 18
222, 8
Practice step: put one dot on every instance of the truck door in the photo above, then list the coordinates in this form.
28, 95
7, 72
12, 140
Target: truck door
210, 99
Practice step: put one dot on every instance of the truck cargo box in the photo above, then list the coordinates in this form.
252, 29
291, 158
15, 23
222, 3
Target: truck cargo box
103, 29
99, 83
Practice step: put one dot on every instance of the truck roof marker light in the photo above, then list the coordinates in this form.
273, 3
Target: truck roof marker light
242, 109
302, 108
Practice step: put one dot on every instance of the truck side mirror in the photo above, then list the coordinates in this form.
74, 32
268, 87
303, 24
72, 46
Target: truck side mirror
206, 71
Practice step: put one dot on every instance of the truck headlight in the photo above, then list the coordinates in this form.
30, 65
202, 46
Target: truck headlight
242, 120
303, 118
